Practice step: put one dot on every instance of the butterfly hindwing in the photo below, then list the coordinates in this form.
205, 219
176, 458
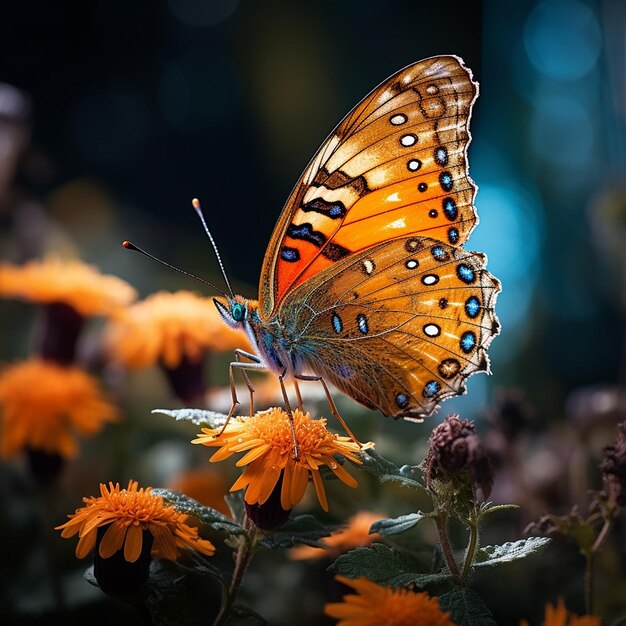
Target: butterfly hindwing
399, 326
395, 166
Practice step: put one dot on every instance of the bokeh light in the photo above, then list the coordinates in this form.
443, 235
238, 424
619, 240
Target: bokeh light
563, 39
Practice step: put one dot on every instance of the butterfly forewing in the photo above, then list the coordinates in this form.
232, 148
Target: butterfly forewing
399, 326
395, 166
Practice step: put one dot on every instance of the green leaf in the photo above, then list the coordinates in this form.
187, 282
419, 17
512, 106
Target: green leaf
397, 525
489, 508
245, 612
205, 514
299, 529
387, 471
510, 551
199, 417
466, 608
385, 566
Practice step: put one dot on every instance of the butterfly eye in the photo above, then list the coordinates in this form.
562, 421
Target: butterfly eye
238, 312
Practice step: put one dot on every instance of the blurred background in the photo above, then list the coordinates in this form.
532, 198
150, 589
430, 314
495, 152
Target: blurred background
114, 115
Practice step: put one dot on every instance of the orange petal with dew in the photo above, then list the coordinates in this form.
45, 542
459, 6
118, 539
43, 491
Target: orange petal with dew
343, 474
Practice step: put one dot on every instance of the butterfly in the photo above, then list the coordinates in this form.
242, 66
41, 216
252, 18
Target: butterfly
365, 284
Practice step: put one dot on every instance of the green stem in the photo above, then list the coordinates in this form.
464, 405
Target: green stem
442, 529
242, 560
471, 549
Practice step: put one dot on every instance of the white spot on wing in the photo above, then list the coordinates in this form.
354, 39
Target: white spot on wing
408, 140
398, 119
399, 223
432, 330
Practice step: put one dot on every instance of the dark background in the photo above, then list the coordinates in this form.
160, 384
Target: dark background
136, 107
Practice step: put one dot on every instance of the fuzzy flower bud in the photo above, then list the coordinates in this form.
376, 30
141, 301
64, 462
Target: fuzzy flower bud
455, 453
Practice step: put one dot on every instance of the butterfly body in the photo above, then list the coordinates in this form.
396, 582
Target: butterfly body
365, 283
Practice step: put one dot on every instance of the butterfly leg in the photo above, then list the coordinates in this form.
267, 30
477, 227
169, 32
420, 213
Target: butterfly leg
331, 403
298, 394
255, 359
296, 454
258, 366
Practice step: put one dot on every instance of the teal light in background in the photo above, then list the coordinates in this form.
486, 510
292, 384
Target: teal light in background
510, 232
562, 39
562, 134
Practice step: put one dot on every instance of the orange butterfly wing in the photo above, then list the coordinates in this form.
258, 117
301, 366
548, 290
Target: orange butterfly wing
398, 327
395, 166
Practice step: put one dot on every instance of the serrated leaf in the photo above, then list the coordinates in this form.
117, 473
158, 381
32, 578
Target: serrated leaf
510, 551
466, 608
199, 417
205, 514
385, 566
299, 529
245, 612
489, 508
396, 525
387, 471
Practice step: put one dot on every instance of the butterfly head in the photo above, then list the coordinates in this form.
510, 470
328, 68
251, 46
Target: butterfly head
234, 311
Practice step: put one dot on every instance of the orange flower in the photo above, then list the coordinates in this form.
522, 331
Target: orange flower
354, 535
267, 439
374, 605
126, 514
205, 486
559, 616
169, 327
44, 406
74, 283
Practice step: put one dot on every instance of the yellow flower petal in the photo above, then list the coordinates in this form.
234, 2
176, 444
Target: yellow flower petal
112, 540
45, 406
86, 544
133, 543
169, 326
267, 440
74, 283
374, 605
319, 490
136, 510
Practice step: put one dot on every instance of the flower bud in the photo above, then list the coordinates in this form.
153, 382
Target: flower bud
456, 455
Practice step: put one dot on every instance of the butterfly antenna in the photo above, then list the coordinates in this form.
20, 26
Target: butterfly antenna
196, 205
131, 246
